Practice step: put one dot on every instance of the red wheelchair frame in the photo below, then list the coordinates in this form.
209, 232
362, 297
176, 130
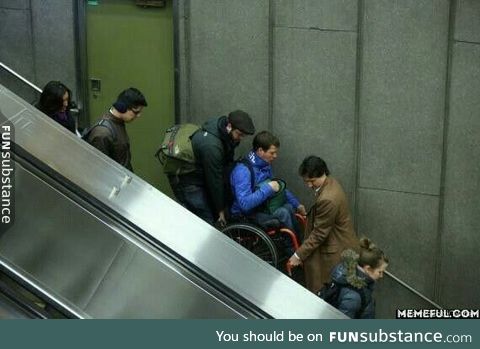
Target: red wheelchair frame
265, 243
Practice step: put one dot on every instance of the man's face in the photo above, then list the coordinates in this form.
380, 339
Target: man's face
268, 155
314, 182
237, 135
132, 114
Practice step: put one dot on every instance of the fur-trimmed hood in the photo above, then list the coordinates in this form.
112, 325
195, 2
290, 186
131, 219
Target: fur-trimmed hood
348, 273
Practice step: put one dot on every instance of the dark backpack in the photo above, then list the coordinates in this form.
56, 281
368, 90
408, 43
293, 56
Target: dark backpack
176, 152
101, 123
330, 293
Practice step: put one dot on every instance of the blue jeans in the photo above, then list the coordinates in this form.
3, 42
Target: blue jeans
286, 216
194, 198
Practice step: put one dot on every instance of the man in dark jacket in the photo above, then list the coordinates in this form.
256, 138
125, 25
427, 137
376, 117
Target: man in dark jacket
109, 135
204, 191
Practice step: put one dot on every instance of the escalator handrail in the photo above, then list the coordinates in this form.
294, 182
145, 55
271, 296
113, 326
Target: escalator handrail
34, 287
27, 306
414, 291
21, 78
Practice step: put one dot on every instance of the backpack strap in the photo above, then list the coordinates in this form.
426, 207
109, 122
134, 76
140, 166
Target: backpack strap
249, 166
103, 123
194, 133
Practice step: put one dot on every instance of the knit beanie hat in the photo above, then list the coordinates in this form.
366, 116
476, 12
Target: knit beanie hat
241, 121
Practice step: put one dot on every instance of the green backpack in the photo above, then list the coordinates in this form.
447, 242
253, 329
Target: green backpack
176, 152
277, 200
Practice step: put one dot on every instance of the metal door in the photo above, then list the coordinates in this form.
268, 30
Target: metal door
129, 45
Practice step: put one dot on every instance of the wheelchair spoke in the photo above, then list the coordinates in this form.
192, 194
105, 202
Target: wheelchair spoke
255, 240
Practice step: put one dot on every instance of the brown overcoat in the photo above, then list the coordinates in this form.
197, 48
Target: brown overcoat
329, 231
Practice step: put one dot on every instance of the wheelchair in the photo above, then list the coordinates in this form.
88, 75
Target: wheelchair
269, 241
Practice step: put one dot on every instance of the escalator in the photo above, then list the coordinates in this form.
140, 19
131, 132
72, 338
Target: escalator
90, 239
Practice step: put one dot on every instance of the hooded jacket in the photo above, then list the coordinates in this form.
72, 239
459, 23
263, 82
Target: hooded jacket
214, 151
245, 200
349, 300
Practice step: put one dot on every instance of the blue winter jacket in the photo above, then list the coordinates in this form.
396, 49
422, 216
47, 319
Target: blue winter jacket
350, 301
245, 200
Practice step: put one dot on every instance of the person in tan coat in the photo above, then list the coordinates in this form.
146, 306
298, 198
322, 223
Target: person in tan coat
329, 228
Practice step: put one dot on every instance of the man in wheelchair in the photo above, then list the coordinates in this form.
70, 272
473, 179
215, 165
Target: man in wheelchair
257, 194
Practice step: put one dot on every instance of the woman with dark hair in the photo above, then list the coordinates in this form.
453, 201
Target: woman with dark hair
329, 229
55, 102
356, 277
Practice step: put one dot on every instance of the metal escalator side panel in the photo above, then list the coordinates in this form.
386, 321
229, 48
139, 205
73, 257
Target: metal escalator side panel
88, 260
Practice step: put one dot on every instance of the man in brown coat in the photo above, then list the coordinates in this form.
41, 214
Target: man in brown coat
329, 225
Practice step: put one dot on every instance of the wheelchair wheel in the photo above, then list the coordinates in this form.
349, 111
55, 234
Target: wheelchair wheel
255, 240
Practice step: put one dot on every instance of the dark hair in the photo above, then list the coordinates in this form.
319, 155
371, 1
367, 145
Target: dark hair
265, 140
370, 254
128, 99
51, 99
313, 167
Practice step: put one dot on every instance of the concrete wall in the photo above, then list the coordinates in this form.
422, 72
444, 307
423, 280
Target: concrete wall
37, 41
401, 117
314, 72
386, 91
461, 210
225, 49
